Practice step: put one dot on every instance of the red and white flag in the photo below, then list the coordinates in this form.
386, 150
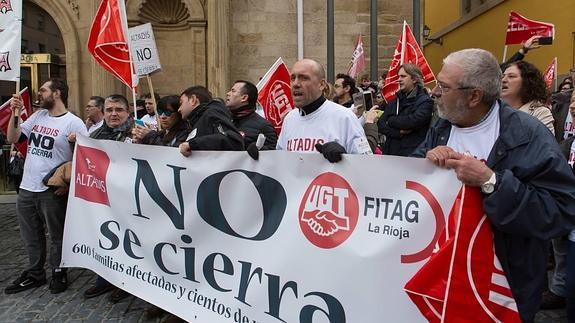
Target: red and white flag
6, 117
463, 279
274, 94
357, 60
108, 41
520, 29
406, 51
550, 73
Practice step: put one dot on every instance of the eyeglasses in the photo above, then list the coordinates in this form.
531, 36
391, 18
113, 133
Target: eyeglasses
443, 89
166, 113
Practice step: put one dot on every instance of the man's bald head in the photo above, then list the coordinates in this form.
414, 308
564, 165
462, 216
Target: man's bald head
307, 82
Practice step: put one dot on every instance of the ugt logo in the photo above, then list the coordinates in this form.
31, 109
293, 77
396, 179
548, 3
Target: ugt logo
279, 101
5, 6
329, 211
4, 61
91, 169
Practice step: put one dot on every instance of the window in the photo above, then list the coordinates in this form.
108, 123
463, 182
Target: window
468, 6
41, 22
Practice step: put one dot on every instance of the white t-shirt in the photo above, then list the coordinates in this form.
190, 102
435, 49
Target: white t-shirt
330, 122
479, 139
151, 120
48, 145
95, 126
568, 127
571, 163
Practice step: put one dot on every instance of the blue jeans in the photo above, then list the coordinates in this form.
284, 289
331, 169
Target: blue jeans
38, 212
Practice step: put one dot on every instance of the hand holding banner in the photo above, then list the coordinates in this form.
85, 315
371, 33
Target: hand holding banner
6, 113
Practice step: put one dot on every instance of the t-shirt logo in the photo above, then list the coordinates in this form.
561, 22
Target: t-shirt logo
91, 170
329, 211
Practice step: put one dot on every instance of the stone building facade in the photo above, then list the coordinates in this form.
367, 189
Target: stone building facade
214, 42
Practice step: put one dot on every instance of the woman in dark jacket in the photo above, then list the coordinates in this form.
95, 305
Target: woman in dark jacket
174, 131
406, 119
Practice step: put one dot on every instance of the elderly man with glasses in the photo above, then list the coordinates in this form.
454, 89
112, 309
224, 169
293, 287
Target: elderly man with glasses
528, 187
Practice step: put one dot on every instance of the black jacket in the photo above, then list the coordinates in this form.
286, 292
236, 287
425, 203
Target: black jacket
212, 128
173, 138
561, 101
413, 113
534, 200
250, 124
119, 133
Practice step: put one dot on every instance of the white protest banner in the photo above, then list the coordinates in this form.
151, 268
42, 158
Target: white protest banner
10, 39
143, 49
219, 237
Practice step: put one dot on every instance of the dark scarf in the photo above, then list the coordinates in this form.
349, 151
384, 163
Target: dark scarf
242, 112
117, 134
310, 108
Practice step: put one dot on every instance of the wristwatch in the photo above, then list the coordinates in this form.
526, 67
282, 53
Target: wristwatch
489, 186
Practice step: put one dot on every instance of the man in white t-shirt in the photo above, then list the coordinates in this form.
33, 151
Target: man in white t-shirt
47, 133
94, 113
319, 124
150, 118
528, 188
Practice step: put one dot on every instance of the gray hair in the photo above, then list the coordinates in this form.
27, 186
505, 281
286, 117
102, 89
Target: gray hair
414, 71
480, 70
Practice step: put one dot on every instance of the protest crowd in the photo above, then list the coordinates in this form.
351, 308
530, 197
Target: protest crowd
496, 125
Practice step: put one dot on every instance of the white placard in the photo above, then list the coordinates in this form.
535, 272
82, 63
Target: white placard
143, 49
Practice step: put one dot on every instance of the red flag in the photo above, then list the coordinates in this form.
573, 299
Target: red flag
6, 117
108, 42
274, 94
464, 278
550, 73
520, 29
406, 51
357, 60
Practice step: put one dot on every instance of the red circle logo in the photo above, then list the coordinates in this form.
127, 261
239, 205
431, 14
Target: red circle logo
329, 211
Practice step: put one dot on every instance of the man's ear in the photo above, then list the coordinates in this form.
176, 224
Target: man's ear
245, 98
57, 94
475, 98
322, 84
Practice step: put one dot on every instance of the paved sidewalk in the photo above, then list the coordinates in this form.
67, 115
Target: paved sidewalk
38, 305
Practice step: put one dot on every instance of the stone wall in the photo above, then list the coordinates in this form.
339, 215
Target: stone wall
262, 30
224, 40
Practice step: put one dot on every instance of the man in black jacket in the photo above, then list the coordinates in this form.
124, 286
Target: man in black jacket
406, 119
210, 121
528, 188
241, 100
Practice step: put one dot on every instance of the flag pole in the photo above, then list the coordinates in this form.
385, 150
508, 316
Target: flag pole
555, 74
17, 112
134, 100
504, 54
151, 88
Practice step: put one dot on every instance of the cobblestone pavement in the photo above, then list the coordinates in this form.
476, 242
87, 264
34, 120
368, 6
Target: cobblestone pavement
38, 305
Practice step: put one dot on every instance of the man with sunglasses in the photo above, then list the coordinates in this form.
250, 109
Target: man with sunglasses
527, 185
